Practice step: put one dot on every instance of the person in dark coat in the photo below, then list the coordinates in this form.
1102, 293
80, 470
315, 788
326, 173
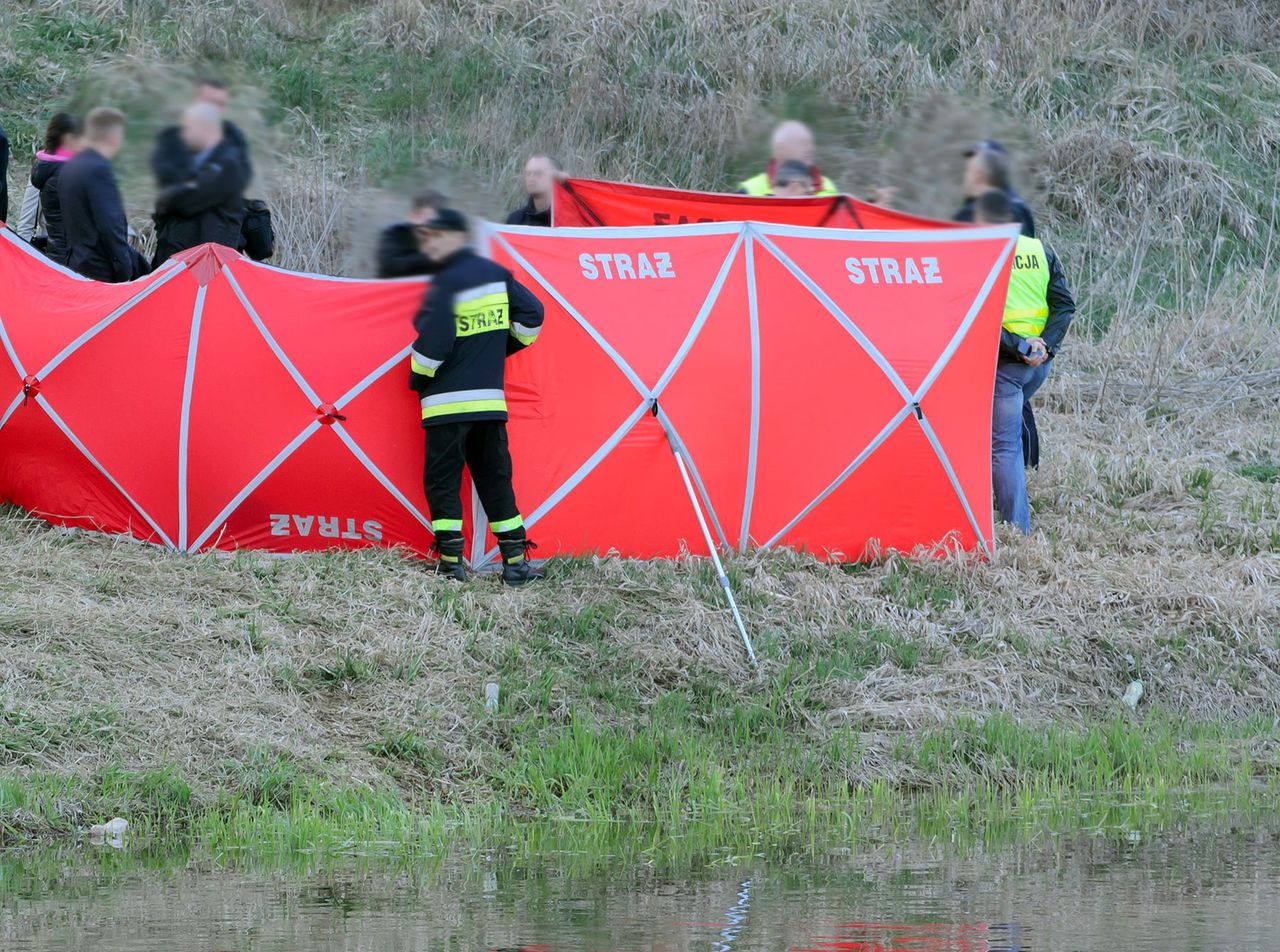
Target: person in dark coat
171, 159
4, 175
92, 211
986, 167
400, 253
61, 143
209, 205
540, 173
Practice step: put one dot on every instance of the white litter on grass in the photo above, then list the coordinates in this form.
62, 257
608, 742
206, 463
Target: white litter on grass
1133, 694
111, 833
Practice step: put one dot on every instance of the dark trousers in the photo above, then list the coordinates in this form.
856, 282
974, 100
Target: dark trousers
482, 447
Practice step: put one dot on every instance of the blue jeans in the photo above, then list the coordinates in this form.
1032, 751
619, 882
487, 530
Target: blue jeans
1016, 382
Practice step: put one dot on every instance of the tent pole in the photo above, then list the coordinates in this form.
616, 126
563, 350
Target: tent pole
715, 557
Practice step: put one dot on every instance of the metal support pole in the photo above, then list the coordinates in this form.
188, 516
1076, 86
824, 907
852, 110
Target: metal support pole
715, 557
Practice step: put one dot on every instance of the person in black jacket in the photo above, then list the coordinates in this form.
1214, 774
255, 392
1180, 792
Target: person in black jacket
92, 211
209, 205
399, 253
986, 167
61, 143
540, 172
171, 158
474, 315
4, 176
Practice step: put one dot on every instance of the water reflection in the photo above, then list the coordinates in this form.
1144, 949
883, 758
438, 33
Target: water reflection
1189, 888
923, 937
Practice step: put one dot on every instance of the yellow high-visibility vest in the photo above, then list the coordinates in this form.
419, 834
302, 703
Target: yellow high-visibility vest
760, 185
1026, 309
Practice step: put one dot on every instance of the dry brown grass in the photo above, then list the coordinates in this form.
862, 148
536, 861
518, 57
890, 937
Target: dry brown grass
1149, 134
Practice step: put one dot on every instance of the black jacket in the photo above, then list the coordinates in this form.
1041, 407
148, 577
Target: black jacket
399, 255
207, 207
171, 161
1021, 213
474, 315
1062, 310
526, 214
4, 176
44, 176
93, 217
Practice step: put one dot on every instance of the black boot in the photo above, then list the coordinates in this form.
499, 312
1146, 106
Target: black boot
516, 570
449, 552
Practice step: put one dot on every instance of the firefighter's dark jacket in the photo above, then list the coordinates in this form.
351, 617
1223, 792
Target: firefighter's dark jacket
474, 315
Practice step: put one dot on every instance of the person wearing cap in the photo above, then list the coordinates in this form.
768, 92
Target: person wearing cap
1038, 310
399, 253
792, 142
986, 167
474, 316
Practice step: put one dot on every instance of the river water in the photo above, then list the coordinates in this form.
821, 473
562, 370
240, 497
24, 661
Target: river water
1210, 887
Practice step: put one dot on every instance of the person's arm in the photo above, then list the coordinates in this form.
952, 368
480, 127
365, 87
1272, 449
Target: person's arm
399, 255
107, 211
437, 330
1062, 306
170, 160
29, 213
526, 316
216, 182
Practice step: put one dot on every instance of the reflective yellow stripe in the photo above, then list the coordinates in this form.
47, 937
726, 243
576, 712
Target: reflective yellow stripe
506, 525
423, 369
1026, 309
760, 185
464, 406
525, 334
446, 525
479, 315
448, 558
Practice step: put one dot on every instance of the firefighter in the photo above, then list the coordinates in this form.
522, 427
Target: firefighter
1037, 312
474, 316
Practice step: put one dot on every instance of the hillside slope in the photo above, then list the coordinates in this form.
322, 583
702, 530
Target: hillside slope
1149, 139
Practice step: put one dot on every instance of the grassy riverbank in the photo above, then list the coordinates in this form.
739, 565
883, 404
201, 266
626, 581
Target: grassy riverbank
341, 696
294, 700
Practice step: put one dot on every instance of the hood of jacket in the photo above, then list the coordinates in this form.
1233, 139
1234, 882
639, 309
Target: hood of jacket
46, 166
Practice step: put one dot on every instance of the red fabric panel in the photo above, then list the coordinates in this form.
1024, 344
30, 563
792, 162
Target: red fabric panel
586, 203
120, 392
822, 400
294, 510
822, 396
43, 473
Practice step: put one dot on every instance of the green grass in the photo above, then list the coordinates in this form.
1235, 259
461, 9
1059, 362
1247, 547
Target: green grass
686, 787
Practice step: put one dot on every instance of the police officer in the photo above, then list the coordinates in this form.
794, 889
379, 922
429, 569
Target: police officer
1037, 313
474, 316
